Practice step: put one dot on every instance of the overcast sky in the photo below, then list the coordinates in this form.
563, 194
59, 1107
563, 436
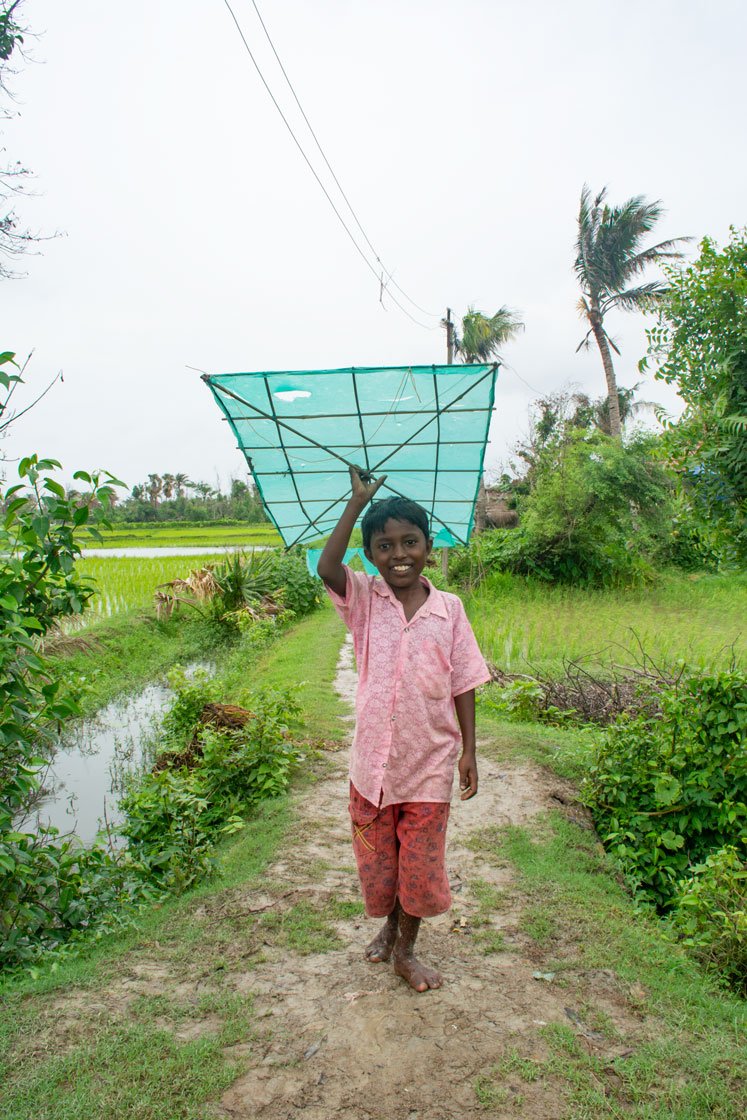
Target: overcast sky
194, 234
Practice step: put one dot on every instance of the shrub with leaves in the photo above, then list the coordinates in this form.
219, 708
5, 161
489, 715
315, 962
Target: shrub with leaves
175, 815
597, 514
48, 886
710, 915
668, 792
299, 591
699, 345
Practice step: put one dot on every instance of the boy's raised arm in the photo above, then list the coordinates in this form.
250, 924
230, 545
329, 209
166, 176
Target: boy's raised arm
330, 567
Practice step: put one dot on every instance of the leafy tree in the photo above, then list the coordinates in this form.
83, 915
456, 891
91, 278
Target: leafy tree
609, 256
203, 489
181, 482
596, 411
42, 894
699, 345
596, 514
154, 488
483, 335
14, 239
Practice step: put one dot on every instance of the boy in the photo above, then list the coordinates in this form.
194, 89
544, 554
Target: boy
418, 667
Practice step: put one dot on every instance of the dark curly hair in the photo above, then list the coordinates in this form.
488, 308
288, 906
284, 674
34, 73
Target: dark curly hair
399, 509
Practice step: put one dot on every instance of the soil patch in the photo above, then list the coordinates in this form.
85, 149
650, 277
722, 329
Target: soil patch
337, 1034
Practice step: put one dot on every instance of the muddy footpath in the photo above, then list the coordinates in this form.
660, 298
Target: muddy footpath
332, 1034
347, 1037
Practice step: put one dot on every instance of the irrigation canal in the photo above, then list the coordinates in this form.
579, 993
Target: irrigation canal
91, 763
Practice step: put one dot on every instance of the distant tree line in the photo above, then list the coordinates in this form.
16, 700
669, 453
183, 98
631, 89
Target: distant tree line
175, 497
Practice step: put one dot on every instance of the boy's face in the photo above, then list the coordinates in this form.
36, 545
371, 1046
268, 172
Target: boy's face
399, 552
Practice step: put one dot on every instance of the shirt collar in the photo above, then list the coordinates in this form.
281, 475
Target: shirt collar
434, 604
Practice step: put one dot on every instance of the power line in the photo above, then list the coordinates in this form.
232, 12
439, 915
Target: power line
390, 275
313, 169
514, 372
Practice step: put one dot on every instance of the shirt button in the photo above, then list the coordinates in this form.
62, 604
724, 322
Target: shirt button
393, 718
384, 766
407, 629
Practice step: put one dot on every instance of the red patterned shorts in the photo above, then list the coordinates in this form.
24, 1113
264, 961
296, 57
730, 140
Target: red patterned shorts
400, 852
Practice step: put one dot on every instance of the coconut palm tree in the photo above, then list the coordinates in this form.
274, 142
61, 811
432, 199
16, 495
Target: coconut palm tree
181, 482
154, 488
482, 335
596, 411
609, 255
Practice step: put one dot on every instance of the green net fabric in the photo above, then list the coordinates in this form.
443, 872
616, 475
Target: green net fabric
425, 427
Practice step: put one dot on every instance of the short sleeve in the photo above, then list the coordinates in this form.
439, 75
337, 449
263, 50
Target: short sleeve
353, 607
468, 667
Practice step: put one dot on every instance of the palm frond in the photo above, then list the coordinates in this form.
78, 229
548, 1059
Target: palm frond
664, 251
642, 298
612, 343
482, 335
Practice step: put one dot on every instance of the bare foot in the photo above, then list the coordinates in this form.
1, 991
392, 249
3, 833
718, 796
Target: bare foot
380, 949
417, 975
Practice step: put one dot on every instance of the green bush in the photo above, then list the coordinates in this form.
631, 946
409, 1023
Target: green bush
54, 889
666, 793
710, 915
518, 700
597, 515
175, 815
245, 579
50, 887
300, 592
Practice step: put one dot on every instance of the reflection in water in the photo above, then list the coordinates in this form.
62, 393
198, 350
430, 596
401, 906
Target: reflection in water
175, 550
93, 761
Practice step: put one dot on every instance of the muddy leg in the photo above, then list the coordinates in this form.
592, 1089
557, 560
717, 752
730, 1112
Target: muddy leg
406, 964
380, 949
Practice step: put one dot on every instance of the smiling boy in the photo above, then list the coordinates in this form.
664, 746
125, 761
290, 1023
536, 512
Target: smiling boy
418, 667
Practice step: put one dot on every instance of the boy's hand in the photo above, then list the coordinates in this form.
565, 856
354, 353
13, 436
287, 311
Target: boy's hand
467, 776
364, 486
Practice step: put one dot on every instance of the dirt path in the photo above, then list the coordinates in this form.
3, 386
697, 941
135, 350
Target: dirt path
337, 1035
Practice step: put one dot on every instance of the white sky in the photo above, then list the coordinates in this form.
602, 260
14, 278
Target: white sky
462, 133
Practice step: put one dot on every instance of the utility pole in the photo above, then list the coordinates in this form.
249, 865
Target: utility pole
447, 323
449, 337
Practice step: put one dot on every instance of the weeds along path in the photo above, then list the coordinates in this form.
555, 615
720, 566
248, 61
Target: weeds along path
337, 1035
251, 999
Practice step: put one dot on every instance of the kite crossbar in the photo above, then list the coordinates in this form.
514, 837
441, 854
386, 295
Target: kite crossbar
438, 414
276, 420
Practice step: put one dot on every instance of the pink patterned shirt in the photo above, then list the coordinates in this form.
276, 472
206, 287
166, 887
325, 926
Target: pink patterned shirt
407, 737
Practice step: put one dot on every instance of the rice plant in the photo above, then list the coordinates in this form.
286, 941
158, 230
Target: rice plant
126, 583
521, 622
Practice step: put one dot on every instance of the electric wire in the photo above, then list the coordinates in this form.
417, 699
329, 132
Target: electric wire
516, 374
389, 275
311, 167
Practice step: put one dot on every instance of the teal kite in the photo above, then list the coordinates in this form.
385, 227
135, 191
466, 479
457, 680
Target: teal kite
425, 427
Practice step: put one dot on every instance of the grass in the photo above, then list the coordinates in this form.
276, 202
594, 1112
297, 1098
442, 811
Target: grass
692, 1065
126, 583
304, 929
306, 658
175, 534
121, 654
132, 1063
521, 622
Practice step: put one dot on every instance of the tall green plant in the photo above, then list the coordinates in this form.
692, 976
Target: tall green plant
40, 902
668, 792
699, 345
483, 335
596, 513
610, 258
